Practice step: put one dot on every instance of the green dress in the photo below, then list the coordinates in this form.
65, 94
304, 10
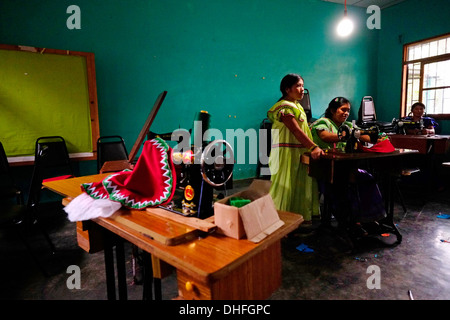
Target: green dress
292, 189
327, 125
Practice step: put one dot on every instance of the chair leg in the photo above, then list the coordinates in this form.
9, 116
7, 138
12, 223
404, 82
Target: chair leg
46, 236
32, 218
30, 250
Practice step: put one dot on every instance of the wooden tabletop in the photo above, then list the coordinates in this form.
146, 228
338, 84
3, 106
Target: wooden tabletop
365, 155
425, 144
205, 258
420, 136
72, 187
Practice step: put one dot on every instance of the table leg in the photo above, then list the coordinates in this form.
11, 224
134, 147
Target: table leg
121, 272
389, 205
157, 285
148, 276
157, 276
109, 267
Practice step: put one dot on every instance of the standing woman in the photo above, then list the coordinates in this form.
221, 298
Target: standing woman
292, 189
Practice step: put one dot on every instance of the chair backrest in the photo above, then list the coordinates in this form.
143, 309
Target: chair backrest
306, 104
51, 159
366, 111
51, 152
266, 143
110, 148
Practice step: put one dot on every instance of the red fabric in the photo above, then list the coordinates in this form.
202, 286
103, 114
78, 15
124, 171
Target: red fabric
152, 181
384, 146
95, 190
148, 181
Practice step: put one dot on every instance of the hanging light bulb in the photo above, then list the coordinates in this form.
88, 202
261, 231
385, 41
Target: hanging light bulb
345, 26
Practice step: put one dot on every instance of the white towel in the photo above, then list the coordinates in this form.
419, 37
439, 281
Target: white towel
85, 207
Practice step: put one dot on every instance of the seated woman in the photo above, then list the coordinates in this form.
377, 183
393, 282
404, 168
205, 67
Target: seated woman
325, 130
423, 125
355, 199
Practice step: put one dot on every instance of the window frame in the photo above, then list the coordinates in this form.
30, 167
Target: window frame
404, 109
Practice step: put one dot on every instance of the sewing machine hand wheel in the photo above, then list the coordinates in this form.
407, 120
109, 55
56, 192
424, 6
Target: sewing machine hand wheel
344, 133
217, 163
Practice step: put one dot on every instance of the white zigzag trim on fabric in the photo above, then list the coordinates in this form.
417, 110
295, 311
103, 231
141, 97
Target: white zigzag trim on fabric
90, 190
115, 194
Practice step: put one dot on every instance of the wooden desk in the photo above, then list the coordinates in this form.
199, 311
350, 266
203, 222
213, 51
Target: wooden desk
212, 267
335, 166
434, 150
332, 164
435, 144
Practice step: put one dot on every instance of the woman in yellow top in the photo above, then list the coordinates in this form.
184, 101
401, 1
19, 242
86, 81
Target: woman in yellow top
292, 188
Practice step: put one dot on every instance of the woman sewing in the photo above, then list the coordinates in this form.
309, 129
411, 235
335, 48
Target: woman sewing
325, 131
355, 198
418, 123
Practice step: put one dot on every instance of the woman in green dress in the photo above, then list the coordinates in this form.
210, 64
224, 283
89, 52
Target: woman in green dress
349, 210
325, 130
292, 189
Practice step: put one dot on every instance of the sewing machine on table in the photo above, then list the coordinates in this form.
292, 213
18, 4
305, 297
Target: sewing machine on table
203, 167
352, 135
208, 265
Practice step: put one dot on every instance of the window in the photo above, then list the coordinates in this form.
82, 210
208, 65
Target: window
426, 76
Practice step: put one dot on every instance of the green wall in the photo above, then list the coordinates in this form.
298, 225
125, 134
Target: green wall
407, 22
226, 57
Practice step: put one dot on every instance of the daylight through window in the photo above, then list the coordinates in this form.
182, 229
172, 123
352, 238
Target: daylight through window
426, 76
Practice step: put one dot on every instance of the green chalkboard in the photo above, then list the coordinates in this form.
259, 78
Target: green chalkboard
47, 92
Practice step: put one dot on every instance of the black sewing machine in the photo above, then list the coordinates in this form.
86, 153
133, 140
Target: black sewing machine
402, 125
352, 135
201, 168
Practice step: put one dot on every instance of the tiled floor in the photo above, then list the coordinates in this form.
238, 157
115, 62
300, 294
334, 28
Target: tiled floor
330, 272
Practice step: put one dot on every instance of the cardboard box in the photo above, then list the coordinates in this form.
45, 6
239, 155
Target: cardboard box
255, 220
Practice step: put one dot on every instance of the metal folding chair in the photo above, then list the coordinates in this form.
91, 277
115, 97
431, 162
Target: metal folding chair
110, 148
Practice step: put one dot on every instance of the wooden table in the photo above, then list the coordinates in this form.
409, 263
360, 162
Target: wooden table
425, 144
334, 167
208, 267
433, 150
332, 164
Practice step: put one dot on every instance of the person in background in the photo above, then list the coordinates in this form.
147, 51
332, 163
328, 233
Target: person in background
427, 124
292, 189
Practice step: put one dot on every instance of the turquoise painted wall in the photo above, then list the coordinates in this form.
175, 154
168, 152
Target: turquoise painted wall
223, 56
407, 22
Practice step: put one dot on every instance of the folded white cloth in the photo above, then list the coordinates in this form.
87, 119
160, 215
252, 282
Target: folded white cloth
85, 207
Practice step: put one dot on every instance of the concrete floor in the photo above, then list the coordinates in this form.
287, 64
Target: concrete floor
331, 272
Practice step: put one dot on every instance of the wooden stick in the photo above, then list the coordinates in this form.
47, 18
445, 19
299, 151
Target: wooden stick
203, 225
148, 123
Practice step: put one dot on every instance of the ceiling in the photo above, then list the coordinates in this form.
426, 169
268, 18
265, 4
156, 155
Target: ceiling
365, 3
